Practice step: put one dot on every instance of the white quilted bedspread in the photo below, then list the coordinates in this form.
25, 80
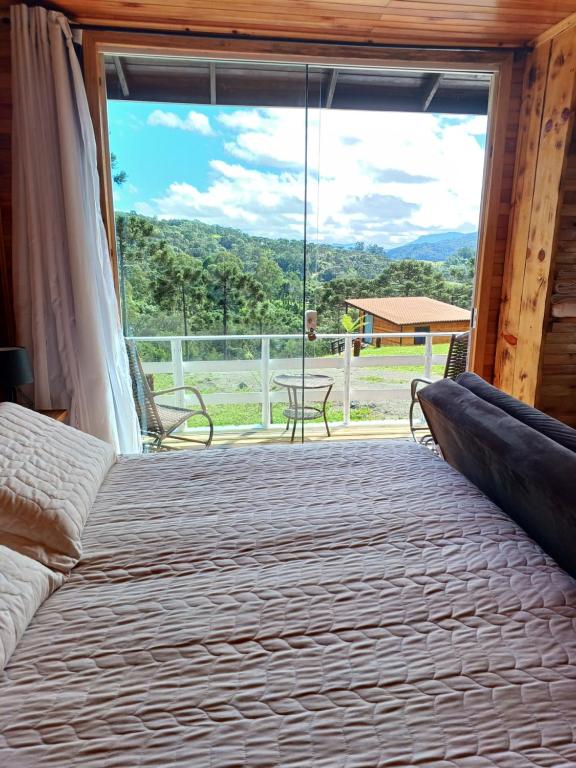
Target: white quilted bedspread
321, 606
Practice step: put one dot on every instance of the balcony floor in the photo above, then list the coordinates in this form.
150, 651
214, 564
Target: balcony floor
278, 434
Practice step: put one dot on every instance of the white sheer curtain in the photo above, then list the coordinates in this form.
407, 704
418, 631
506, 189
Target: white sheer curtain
66, 310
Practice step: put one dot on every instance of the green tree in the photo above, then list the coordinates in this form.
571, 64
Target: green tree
411, 278
331, 299
119, 177
136, 242
181, 274
269, 275
229, 289
459, 271
178, 283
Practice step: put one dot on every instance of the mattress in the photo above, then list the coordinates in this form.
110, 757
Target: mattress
320, 606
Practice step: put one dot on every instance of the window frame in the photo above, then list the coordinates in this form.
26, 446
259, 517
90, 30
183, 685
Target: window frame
499, 64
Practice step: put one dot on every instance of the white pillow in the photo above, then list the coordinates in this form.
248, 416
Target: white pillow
24, 585
49, 476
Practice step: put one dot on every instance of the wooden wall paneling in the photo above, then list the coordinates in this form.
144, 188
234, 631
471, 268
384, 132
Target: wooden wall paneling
557, 391
411, 57
500, 154
554, 31
555, 137
411, 22
503, 218
534, 89
6, 305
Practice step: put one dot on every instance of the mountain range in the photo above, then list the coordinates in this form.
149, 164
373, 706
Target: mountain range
436, 247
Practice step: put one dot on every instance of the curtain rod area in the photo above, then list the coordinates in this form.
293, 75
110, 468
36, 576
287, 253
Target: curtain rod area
188, 33
302, 40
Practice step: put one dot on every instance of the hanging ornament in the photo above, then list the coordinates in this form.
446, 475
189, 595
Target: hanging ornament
311, 323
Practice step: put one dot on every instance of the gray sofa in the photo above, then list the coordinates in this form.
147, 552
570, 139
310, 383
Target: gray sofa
522, 459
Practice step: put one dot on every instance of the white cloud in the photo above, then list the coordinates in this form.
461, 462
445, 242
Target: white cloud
251, 200
275, 137
245, 119
194, 122
475, 125
379, 177
145, 209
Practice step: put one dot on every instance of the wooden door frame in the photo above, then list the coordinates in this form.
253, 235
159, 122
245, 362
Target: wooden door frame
497, 63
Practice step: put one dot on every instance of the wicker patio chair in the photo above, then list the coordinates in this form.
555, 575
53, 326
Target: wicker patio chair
157, 420
456, 363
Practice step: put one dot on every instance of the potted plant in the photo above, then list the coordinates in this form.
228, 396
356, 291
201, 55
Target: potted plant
351, 325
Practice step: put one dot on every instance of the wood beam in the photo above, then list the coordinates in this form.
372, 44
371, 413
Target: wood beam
534, 91
546, 136
121, 76
431, 85
212, 66
557, 29
555, 135
330, 54
331, 88
489, 236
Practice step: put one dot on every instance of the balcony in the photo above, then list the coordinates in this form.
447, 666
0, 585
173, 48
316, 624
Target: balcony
370, 396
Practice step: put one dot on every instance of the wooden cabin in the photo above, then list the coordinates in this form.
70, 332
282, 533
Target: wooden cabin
528, 222
409, 314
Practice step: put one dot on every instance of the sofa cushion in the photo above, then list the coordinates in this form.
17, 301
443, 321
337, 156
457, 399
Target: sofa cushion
546, 425
49, 476
527, 474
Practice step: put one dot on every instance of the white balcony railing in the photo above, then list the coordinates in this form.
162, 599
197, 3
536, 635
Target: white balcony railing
345, 389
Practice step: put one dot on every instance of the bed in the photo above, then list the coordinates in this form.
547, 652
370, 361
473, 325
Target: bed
320, 606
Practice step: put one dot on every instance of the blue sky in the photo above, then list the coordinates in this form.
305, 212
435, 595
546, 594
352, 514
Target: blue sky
383, 177
154, 157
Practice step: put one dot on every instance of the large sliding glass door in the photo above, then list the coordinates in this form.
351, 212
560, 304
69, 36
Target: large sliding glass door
210, 194
276, 226
395, 162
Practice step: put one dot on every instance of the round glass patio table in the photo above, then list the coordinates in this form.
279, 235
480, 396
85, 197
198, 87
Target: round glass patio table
299, 411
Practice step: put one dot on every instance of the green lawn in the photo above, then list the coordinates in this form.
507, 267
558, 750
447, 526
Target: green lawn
240, 414
371, 374
234, 415
414, 349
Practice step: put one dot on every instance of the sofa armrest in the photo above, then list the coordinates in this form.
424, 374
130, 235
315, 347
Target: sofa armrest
528, 475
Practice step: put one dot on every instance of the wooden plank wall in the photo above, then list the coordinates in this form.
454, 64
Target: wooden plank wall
557, 391
447, 23
385, 326
535, 80
523, 365
498, 228
6, 321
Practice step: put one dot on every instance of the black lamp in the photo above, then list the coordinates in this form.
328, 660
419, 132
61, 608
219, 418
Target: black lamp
15, 370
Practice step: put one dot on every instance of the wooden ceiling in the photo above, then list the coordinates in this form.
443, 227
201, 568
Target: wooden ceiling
470, 23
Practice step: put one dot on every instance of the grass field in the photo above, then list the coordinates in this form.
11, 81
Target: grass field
416, 349
232, 414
